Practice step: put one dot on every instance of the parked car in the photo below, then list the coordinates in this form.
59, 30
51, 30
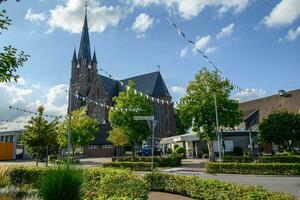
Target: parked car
147, 151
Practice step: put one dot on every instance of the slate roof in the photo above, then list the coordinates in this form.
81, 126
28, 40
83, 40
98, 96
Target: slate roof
84, 48
109, 85
151, 84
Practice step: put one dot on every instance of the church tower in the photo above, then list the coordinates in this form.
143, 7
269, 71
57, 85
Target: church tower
85, 82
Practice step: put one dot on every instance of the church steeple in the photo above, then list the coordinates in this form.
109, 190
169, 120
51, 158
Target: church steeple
84, 48
94, 57
74, 56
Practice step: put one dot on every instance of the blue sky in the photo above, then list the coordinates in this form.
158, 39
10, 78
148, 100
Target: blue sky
254, 43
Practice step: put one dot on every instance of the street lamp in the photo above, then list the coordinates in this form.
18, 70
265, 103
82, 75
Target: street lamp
217, 124
151, 123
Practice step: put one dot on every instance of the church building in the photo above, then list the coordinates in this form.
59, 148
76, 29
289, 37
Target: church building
91, 86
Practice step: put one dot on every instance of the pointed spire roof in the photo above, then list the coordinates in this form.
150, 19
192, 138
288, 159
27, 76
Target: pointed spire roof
74, 56
94, 57
84, 48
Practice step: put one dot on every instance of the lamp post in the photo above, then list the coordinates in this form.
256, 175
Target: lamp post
151, 123
217, 124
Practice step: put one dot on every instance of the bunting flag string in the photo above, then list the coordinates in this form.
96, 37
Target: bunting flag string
184, 36
32, 112
12, 121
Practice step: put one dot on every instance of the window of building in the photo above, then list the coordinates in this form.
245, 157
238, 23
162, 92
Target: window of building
93, 147
11, 138
106, 146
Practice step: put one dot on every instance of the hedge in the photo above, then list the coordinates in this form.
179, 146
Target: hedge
254, 168
135, 166
25, 175
262, 159
107, 183
279, 159
211, 189
171, 161
238, 159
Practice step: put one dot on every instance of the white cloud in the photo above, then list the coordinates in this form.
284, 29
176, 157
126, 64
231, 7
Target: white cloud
211, 50
249, 94
55, 96
191, 8
293, 34
141, 24
226, 31
284, 13
36, 86
21, 81
15, 93
178, 90
183, 52
201, 43
69, 16
35, 17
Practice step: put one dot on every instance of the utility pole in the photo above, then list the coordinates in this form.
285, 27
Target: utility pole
217, 124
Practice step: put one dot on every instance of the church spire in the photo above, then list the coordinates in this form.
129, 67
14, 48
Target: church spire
74, 56
94, 57
84, 48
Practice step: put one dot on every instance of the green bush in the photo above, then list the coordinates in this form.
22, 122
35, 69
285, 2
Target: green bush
279, 159
238, 159
175, 146
61, 184
52, 158
28, 175
113, 184
180, 150
135, 166
4, 177
170, 161
253, 168
210, 189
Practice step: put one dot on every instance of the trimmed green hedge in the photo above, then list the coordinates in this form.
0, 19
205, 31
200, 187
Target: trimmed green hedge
253, 168
211, 189
238, 159
135, 166
278, 159
170, 161
106, 183
262, 159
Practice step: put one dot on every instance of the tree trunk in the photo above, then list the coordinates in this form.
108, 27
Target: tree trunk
133, 151
37, 159
210, 151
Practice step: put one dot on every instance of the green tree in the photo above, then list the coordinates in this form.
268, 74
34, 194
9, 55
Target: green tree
130, 104
82, 129
280, 128
182, 125
198, 108
118, 138
40, 135
10, 59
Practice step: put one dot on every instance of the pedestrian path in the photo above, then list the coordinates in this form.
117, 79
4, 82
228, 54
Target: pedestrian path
166, 196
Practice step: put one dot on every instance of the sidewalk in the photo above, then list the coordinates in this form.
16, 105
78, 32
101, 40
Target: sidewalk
188, 165
165, 196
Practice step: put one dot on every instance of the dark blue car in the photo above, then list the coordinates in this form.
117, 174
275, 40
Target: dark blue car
147, 151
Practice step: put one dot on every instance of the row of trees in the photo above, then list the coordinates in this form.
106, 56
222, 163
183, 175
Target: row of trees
42, 137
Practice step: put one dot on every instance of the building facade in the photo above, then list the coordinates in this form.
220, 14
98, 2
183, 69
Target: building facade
86, 83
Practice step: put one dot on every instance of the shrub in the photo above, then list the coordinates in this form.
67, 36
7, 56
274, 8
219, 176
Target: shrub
52, 158
205, 156
238, 159
175, 146
180, 150
238, 151
61, 184
210, 189
170, 161
28, 175
107, 183
279, 159
4, 177
253, 168
135, 166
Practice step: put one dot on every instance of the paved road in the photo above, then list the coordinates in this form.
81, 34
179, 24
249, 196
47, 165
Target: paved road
287, 184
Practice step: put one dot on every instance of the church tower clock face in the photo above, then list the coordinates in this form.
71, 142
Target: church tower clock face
78, 66
90, 66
